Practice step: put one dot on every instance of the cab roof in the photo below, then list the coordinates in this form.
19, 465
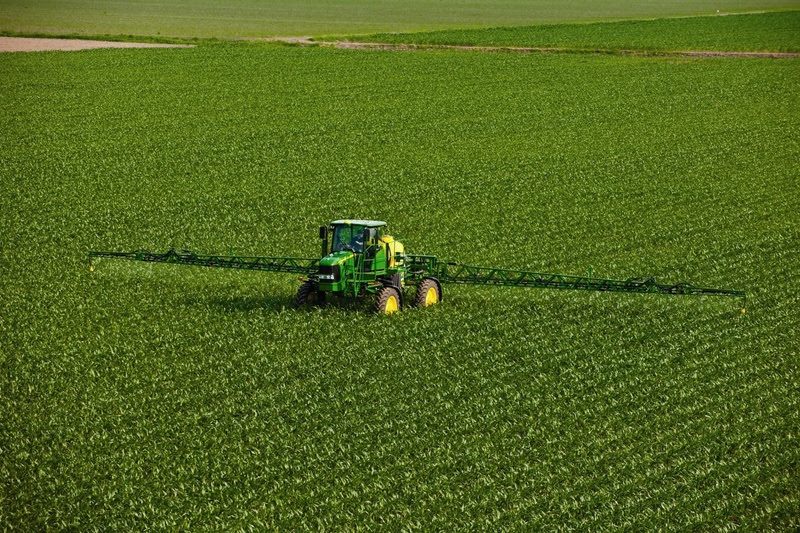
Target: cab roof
367, 223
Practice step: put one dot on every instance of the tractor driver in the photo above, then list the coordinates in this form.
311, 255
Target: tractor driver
358, 240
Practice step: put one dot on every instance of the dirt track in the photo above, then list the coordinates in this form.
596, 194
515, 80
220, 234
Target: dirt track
30, 44
304, 41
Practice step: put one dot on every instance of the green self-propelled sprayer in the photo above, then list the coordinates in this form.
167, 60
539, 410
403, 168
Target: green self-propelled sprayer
360, 259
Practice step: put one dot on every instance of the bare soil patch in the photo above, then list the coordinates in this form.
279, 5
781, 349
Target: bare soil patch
292, 40
32, 44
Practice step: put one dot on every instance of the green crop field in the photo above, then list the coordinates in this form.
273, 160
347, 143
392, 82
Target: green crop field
771, 32
264, 18
143, 396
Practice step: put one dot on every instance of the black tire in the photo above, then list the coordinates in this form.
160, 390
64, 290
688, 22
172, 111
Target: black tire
388, 301
428, 293
308, 294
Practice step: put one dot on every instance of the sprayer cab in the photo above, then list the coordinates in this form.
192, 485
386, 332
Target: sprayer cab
355, 235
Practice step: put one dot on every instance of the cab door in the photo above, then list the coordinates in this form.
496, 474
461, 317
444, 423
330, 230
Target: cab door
374, 253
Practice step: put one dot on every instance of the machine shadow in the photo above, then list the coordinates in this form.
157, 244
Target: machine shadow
275, 304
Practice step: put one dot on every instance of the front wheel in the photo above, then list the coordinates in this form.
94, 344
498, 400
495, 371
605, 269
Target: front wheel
308, 294
388, 301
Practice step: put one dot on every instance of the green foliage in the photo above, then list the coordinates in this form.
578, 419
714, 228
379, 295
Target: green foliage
141, 396
772, 32
266, 18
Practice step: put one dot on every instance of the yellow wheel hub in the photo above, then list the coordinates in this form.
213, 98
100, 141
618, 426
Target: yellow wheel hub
431, 297
391, 304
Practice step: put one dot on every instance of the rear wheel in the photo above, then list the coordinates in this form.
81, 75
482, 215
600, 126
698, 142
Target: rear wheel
308, 294
388, 301
428, 293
